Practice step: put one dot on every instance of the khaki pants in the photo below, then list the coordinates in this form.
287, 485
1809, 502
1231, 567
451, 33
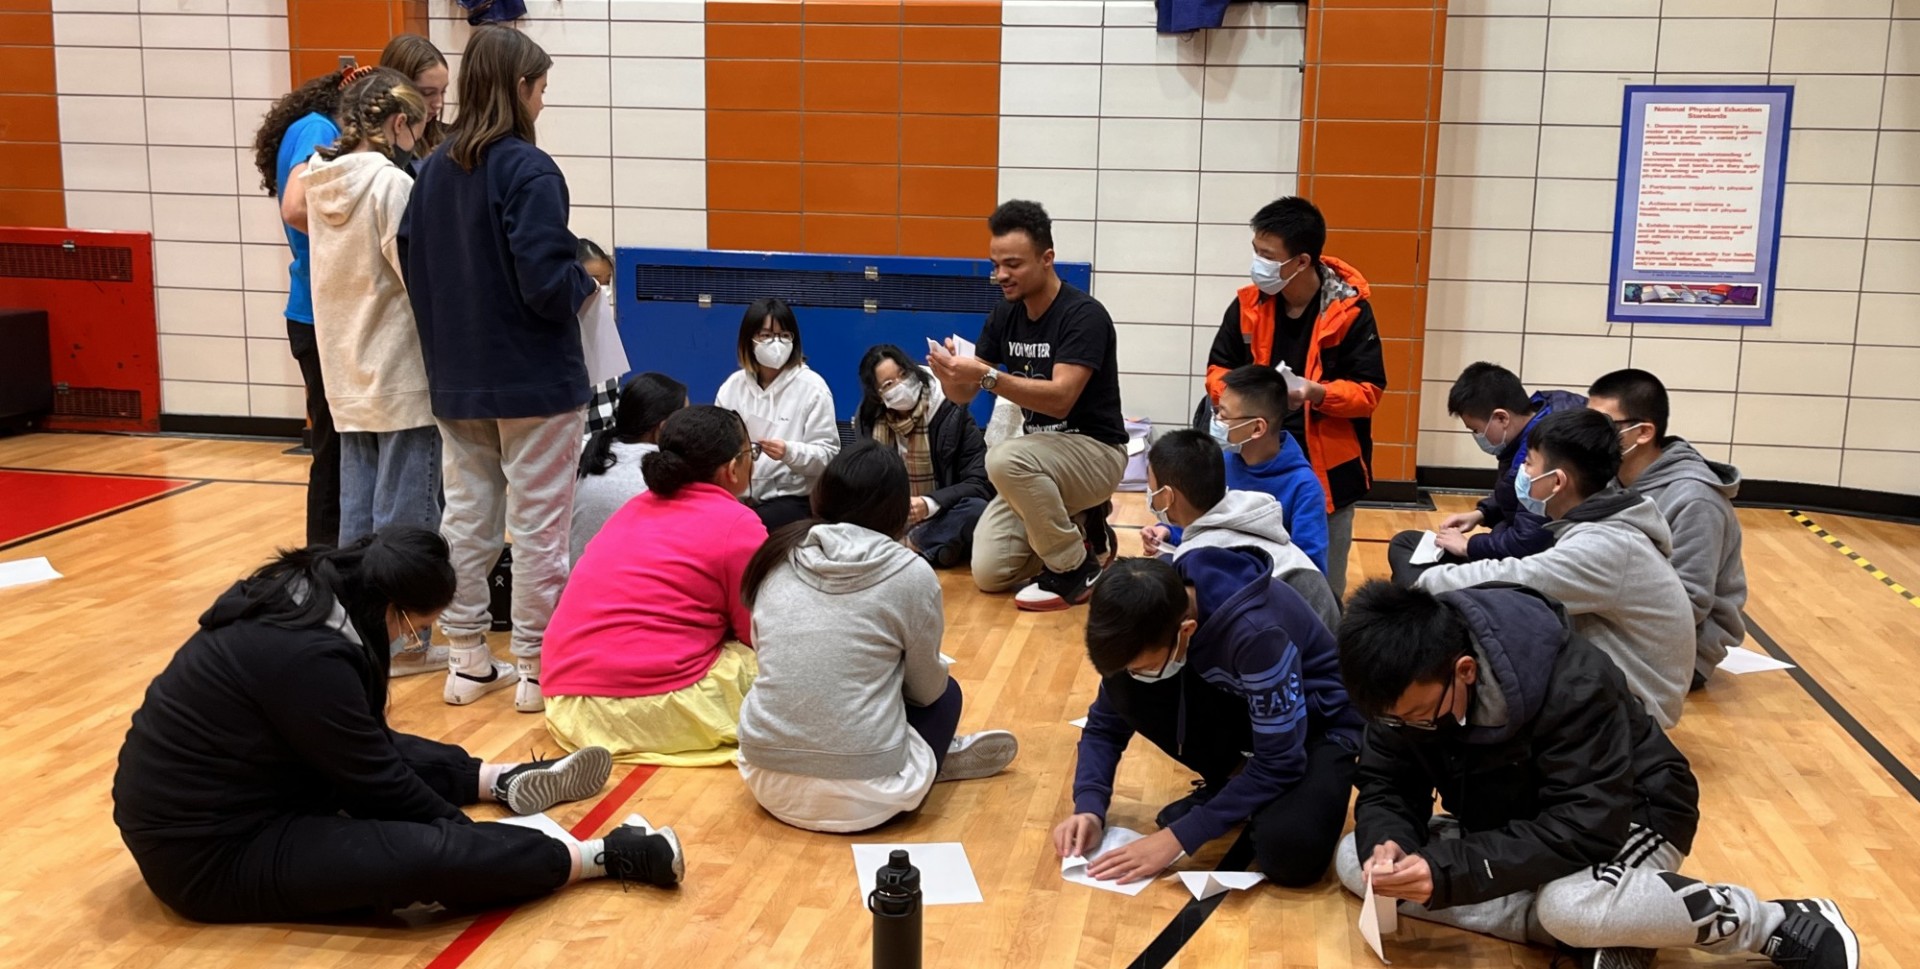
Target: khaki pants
1043, 480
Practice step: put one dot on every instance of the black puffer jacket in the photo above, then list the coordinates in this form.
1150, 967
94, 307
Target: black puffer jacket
959, 451
1556, 761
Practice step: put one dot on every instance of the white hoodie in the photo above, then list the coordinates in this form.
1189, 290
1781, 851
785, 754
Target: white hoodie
1255, 519
796, 408
370, 357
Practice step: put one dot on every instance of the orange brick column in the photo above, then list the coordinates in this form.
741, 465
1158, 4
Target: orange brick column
1368, 139
320, 32
31, 184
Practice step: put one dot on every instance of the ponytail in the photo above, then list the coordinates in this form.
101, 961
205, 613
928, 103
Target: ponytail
645, 402
695, 443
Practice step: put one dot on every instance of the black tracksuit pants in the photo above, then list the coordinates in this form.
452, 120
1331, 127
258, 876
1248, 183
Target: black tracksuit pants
324, 866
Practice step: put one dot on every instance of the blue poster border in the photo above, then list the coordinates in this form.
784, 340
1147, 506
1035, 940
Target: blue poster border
1770, 217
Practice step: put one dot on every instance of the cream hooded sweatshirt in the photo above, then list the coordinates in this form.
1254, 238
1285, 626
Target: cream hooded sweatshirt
370, 357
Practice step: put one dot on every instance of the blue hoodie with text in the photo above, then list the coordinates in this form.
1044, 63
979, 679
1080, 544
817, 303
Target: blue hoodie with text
1258, 640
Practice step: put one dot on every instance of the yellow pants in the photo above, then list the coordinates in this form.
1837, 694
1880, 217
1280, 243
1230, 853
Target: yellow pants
695, 726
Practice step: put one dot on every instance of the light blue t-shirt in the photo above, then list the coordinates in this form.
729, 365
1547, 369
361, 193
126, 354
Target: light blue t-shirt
303, 136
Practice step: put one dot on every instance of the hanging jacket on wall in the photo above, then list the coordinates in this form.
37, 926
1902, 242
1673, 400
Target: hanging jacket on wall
1180, 16
493, 11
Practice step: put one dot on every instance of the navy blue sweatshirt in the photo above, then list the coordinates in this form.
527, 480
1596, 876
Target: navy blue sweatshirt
1516, 532
490, 270
1256, 639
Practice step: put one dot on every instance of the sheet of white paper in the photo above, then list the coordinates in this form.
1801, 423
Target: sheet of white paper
26, 571
758, 428
1206, 884
1371, 922
1743, 660
944, 658
962, 347
543, 824
600, 338
1081, 723
1074, 868
1294, 381
934, 347
946, 878
1427, 552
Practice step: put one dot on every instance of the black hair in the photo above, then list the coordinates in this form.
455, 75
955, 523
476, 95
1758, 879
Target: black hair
320, 95
865, 485
1262, 389
402, 567
1138, 604
1190, 463
589, 250
1391, 638
872, 409
1580, 442
695, 443
1483, 388
1019, 215
1296, 222
645, 401
756, 316
1641, 395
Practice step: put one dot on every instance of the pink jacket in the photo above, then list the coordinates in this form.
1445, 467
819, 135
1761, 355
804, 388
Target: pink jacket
653, 597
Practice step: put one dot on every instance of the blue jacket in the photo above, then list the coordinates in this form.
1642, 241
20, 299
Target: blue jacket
1515, 532
490, 270
1181, 16
1289, 478
1257, 639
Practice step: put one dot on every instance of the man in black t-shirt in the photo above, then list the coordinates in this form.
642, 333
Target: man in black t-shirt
1057, 345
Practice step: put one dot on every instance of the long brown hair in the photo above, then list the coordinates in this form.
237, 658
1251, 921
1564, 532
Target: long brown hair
414, 55
318, 96
496, 62
367, 104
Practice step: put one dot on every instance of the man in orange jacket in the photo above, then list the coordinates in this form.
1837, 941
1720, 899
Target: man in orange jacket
1311, 312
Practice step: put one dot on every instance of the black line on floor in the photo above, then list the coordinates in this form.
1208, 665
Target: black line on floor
152, 477
1194, 914
100, 516
1901, 774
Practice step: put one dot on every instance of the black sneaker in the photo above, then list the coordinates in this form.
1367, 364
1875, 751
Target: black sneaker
1202, 793
534, 787
635, 854
1054, 591
1608, 958
1814, 936
1102, 543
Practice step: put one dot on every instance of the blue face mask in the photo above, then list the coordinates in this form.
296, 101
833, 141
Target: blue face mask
1523, 489
1219, 429
1266, 275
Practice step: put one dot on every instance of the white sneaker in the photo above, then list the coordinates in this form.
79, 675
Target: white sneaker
464, 688
413, 662
982, 754
527, 698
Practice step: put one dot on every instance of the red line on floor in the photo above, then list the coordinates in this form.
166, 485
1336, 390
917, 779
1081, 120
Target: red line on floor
468, 942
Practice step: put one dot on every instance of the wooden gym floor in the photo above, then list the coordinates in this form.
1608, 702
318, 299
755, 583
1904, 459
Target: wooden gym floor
1807, 778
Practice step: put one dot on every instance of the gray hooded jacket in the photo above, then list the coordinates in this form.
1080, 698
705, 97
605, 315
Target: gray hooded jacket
1253, 519
1695, 496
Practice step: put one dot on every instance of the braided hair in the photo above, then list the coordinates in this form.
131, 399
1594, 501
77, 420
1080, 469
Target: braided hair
375, 96
320, 95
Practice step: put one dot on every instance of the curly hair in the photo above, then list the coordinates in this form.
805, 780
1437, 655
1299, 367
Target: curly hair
366, 106
318, 96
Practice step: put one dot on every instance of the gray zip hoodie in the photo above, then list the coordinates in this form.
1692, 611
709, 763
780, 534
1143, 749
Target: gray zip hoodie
1253, 519
1695, 495
847, 632
1609, 566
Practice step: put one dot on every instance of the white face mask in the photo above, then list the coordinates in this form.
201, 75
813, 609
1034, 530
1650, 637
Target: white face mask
1627, 430
1523, 490
773, 353
1266, 275
902, 396
1160, 514
1174, 665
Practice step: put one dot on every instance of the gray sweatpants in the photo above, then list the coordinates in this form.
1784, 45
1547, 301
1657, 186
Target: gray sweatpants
1043, 480
1339, 542
1637, 901
508, 475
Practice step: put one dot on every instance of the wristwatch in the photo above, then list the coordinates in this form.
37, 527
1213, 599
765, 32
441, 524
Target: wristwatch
989, 379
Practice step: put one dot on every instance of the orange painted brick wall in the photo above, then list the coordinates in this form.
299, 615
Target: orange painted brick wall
30, 177
1368, 138
319, 32
855, 126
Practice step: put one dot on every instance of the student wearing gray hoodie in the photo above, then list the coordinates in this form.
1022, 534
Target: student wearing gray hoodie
1695, 496
1187, 490
1609, 562
852, 718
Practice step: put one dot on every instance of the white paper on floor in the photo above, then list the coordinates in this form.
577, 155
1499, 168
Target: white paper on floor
1379, 917
1206, 884
1081, 723
26, 572
1427, 552
944, 658
946, 877
1074, 867
1742, 660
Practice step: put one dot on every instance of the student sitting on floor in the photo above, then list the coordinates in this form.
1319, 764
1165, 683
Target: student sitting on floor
260, 781
650, 652
787, 407
945, 455
1261, 456
1187, 490
1492, 403
1208, 657
1696, 496
853, 715
1608, 564
1569, 810
610, 466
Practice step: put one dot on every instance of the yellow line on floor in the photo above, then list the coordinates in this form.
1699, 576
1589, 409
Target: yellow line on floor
1856, 557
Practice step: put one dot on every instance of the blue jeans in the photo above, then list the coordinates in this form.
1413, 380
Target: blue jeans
389, 478
946, 539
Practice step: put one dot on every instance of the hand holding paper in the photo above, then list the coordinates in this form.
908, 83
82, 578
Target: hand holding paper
1379, 918
1427, 552
1074, 868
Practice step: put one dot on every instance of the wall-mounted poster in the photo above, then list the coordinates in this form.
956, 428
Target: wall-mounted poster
1696, 222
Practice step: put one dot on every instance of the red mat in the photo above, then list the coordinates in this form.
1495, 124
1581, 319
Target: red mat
32, 502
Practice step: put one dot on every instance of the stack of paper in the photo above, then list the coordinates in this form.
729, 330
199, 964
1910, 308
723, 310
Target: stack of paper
1074, 868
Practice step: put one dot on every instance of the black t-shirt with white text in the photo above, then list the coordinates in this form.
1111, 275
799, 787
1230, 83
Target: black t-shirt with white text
1075, 329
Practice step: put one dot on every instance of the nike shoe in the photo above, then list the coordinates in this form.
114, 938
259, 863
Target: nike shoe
464, 688
1814, 936
633, 853
1054, 591
412, 662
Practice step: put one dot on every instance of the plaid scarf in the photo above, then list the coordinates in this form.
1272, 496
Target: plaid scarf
911, 431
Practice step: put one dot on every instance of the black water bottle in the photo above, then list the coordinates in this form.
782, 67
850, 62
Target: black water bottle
895, 904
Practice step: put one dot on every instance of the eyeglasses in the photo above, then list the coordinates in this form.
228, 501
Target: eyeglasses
765, 338
1430, 723
753, 448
